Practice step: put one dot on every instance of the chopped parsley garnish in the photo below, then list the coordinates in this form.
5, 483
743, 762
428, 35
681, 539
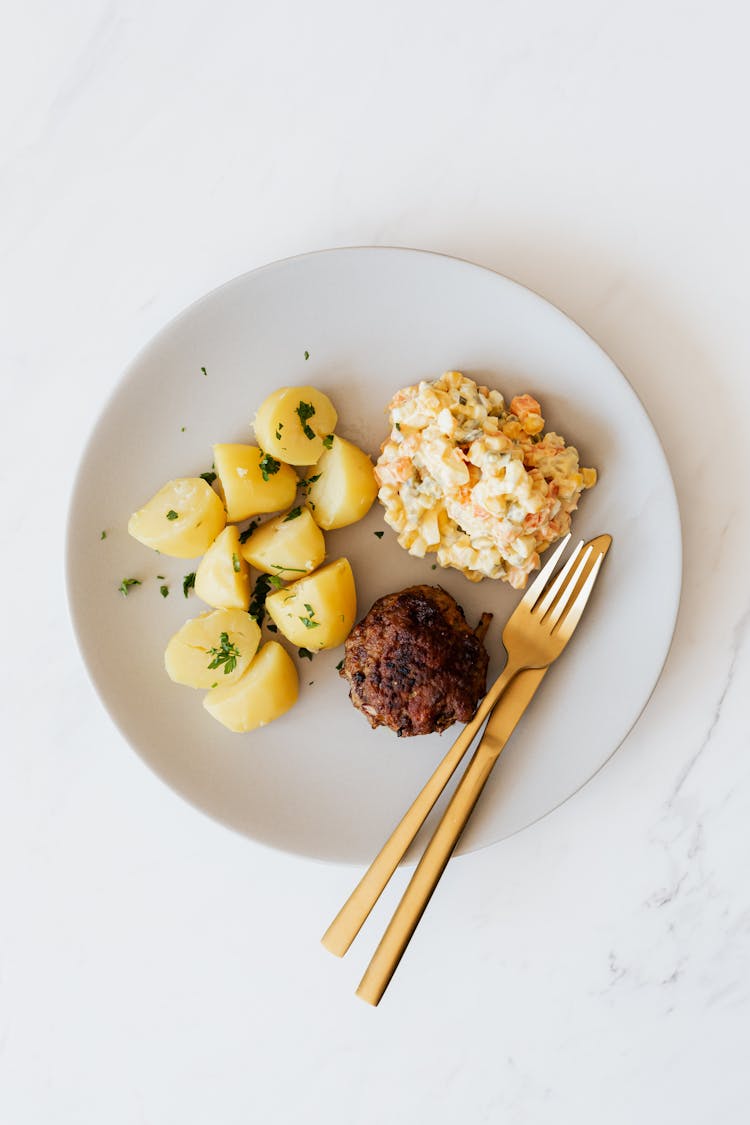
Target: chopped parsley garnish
434, 566
308, 620
279, 428
462, 400
209, 478
235, 563
182, 429
126, 583
103, 535
378, 534
204, 371
328, 442
291, 569
295, 512
398, 426
268, 466
271, 627
245, 535
305, 653
306, 484
261, 590
188, 583
227, 654
171, 514
164, 591
161, 576
304, 412
307, 355
340, 665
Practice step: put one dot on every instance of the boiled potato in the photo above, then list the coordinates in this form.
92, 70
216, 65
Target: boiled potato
318, 611
223, 577
252, 482
268, 688
182, 520
345, 487
286, 545
227, 638
294, 422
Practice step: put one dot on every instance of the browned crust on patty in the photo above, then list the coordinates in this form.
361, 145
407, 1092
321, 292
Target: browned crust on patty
413, 663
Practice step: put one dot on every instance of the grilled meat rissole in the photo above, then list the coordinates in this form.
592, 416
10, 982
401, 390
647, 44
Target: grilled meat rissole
413, 663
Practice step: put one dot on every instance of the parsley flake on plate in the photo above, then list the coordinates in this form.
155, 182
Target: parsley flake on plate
328, 442
126, 584
164, 591
188, 583
293, 515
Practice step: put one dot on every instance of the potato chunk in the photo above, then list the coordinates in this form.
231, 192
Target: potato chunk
293, 423
346, 487
286, 545
223, 577
181, 520
252, 482
226, 638
268, 688
318, 611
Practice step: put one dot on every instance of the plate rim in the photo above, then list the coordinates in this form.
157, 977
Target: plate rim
118, 385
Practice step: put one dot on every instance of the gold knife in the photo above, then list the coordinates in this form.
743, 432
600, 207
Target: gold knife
500, 726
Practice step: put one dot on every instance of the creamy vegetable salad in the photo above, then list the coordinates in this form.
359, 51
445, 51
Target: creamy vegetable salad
475, 481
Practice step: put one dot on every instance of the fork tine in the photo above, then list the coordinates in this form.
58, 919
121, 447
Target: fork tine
554, 589
536, 589
567, 591
573, 616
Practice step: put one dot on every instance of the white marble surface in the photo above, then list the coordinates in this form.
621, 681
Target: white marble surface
156, 968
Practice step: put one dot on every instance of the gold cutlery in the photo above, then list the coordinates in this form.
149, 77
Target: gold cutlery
534, 636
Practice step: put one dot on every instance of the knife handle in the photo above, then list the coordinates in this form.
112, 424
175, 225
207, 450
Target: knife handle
350, 919
425, 878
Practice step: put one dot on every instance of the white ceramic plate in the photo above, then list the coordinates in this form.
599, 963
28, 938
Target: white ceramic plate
319, 782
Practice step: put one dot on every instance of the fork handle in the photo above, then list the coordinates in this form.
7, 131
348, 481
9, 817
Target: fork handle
425, 878
350, 919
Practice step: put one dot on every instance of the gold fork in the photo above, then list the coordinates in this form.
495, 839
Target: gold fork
531, 641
